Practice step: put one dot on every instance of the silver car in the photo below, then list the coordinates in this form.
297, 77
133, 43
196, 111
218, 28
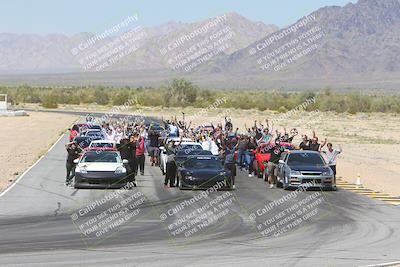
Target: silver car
304, 167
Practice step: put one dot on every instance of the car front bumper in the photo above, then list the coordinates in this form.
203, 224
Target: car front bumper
205, 183
101, 180
312, 181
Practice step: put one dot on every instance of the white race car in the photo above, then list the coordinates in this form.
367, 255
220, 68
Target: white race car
101, 169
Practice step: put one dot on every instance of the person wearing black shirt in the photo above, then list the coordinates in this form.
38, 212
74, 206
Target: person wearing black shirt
304, 145
132, 152
228, 125
170, 172
272, 166
73, 153
124, 149
251, 147
314, 145
153, 146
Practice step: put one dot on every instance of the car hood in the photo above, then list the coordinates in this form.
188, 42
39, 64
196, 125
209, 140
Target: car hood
204, 173
99, 166
316, 168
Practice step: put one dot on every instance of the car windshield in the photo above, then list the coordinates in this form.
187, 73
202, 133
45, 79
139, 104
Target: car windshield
191, 147
94, 133
94, 127
305, 159
101, 157
203, 163
186, 152
102, 145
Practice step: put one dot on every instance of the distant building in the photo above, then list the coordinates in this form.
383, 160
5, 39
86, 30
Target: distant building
4, 110
3, 102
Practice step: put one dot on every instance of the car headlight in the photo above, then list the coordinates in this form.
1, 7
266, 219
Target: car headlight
293, 172
80, 169
223, 173
120, 170
189, 177
327, 172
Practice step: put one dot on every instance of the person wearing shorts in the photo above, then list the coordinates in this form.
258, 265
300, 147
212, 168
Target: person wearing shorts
153, 146
272, 173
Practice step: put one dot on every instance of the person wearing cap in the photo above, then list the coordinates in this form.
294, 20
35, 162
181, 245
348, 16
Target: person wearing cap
73, 151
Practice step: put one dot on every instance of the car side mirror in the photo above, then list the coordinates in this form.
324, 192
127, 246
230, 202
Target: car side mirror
125, 161
281, 162
76, 161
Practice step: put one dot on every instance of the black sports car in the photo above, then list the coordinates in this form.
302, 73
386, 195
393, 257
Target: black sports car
183, 154
203, 172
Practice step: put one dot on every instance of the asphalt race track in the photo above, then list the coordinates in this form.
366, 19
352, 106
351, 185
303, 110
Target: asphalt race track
37, 229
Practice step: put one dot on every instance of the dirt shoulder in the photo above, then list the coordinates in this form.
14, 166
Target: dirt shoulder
25, 139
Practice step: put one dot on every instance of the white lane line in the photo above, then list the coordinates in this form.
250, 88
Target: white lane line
34, 164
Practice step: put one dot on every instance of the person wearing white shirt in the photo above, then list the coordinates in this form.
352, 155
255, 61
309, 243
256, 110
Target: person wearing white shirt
211, 146
118, 134
331, 155
173, 129
109, 133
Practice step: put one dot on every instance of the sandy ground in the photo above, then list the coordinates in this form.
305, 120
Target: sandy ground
370, 142
25, 139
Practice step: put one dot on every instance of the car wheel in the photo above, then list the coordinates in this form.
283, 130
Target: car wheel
285, 187
279, 184
181, 187
285, 183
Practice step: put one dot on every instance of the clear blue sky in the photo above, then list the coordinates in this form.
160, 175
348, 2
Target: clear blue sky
74, 16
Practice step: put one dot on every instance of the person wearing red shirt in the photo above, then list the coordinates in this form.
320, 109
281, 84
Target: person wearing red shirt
140, 157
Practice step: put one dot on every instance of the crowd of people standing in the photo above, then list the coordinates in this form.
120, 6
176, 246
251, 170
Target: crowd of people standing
135, 140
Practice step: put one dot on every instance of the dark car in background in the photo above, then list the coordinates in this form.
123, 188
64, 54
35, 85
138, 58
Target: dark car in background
87, 137
304, 168
202, 172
